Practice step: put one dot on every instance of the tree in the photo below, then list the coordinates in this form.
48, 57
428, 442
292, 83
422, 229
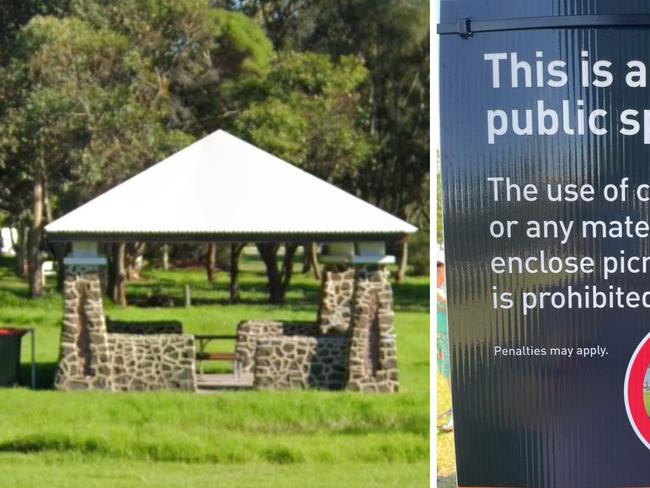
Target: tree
91, 99
16, 13
279, 278
305, 111
193, 50
235, 252
74, 112
280, 18
391, 36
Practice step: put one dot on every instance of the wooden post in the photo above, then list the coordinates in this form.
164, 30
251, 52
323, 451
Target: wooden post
188, 296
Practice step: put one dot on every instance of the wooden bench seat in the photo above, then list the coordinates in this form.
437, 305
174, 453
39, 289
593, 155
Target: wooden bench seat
202, 341
216, 356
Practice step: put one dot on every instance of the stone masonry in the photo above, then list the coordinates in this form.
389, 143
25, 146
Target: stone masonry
301, 362
152, 362
337, 291
373, 355
249, 332
85, 362
92, 358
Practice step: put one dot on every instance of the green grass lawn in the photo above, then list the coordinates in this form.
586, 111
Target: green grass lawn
276, 439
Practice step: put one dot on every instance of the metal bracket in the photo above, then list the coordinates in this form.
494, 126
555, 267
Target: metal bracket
465, 27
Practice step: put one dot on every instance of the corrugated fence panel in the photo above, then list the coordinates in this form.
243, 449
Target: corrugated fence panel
540, 421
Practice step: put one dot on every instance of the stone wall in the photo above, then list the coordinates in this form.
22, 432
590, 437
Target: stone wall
152, 362
352, 346
84, 362
337, 291
93, 358
373, 353
301, 362
249, 332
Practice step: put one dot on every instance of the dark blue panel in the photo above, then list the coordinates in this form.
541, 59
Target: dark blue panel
545, 422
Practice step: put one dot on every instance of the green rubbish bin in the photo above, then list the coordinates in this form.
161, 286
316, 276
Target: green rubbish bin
10, 342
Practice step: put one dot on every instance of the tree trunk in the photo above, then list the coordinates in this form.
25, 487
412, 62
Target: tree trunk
268, 253
118, 278
312, 248
20, 246
278, 279
235, 252
47, 206
210, 260
306, 263
403, 261
133, 260
287, 266
34, 241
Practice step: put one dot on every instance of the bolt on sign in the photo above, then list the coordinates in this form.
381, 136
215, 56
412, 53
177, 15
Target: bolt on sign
545, 134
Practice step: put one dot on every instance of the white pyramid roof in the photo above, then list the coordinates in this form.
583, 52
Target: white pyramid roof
223, 187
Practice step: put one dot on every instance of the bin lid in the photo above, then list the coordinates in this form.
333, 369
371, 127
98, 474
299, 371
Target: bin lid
10, 331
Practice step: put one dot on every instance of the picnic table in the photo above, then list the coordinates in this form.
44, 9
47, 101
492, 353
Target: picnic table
203, 340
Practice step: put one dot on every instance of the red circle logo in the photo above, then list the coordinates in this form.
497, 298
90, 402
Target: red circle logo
634, 391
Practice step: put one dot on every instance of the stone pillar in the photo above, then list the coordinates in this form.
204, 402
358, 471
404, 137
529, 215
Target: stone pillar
337, 290
84, 359
373, 354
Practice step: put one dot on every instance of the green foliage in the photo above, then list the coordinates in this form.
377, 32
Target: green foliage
15, 13
93, 98
275, 126
193, 49
86, 95
306, 111
419, 254
243, 36
391, 36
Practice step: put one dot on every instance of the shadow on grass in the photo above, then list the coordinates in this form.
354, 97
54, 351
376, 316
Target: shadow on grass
169, 293
411, 296
44, 375
407, 296
167, 301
